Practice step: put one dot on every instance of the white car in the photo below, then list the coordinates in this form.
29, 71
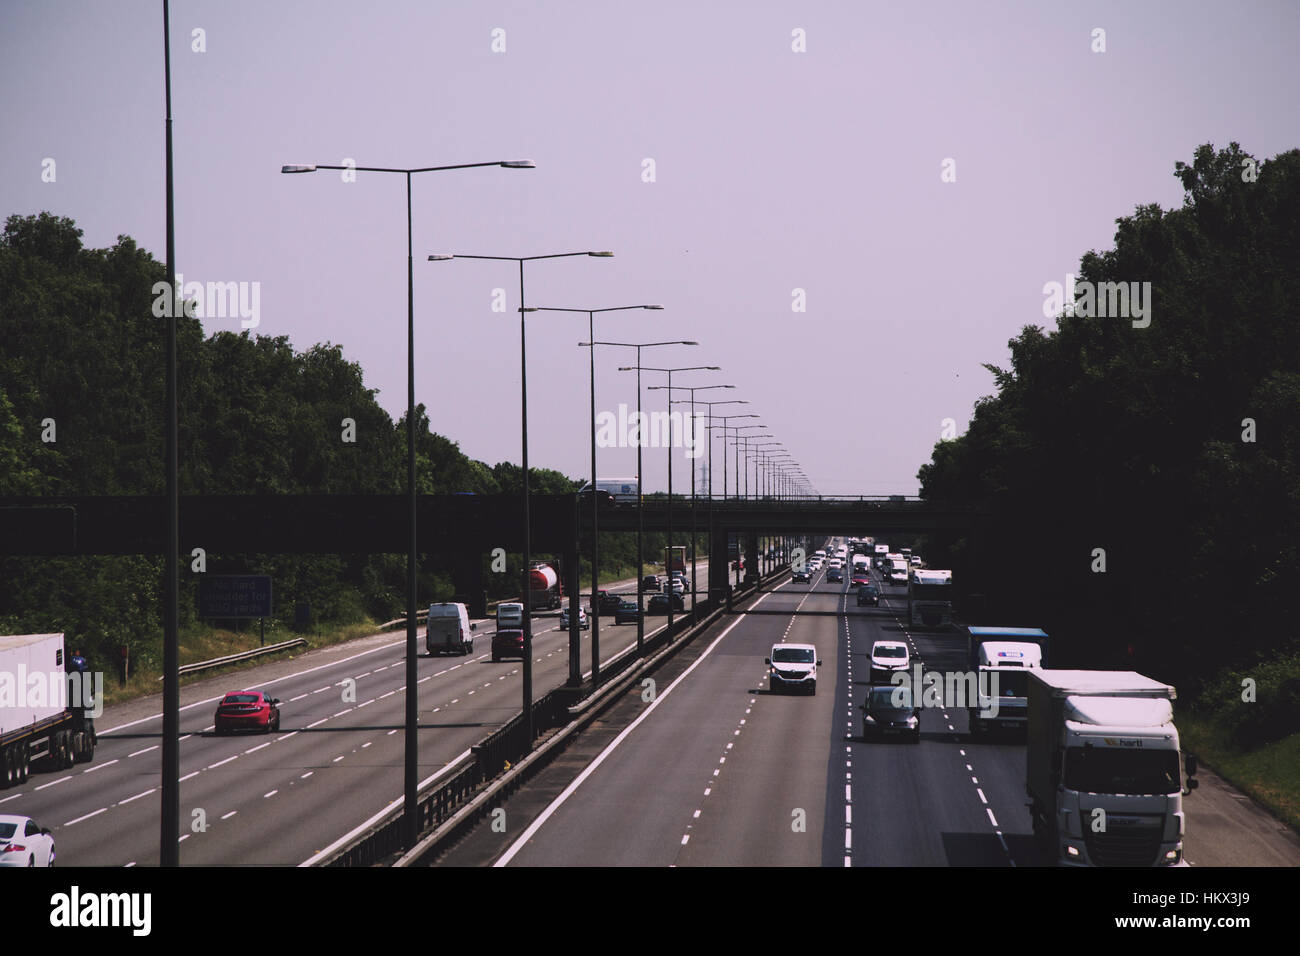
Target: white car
888, 657
23, 843
583, 622
793, 666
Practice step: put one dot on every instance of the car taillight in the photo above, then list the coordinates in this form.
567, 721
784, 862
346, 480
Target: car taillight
14, 848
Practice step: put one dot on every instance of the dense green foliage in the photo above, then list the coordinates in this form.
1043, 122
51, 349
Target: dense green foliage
1136, 441
82, 347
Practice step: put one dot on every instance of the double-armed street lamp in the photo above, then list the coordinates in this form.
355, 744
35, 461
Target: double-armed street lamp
528, 541
410, 822
640, 480
669, 555
694, 526
575, 670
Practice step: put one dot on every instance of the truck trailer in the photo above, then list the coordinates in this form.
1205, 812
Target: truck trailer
46, 714
545, 590
1103, 769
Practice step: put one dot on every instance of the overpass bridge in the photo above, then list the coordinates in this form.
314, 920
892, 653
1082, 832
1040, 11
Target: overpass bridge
460, 527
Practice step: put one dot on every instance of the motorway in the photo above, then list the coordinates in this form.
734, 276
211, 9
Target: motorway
718, 771
281, 798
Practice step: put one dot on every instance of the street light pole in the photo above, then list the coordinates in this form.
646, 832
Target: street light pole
640, 482
528, 541
410, 824
669, 556
575, 668
694, 525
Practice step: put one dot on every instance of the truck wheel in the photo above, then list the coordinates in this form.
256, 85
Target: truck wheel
24, 763
5, 781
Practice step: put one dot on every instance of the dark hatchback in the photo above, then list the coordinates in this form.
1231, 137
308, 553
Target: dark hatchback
659, 603
627, 612
867, 594
889, 710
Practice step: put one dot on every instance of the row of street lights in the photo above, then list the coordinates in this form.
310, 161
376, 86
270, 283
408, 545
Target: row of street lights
411, 738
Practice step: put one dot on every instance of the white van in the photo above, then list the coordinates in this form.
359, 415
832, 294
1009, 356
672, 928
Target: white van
449, 630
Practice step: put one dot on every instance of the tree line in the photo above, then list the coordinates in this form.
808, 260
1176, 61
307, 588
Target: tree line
1142, 480
82, 369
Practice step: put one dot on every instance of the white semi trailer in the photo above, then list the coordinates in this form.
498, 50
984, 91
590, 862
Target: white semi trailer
46, 720
1104, 772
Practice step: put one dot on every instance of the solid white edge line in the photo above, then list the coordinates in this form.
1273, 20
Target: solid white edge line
310, 670
311, 861
555, 804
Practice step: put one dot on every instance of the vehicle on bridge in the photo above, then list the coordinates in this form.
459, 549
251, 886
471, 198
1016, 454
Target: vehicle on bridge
56, 729
613, 490
1103, 770
868, 595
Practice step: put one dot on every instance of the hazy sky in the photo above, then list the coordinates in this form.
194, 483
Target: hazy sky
774, 170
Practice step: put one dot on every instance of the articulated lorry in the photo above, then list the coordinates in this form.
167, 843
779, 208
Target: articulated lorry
1000, 657
46, 714
1104, 772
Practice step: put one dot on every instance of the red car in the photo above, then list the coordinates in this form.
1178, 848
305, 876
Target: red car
247, 710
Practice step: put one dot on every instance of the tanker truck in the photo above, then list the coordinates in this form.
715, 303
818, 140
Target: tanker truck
544, 589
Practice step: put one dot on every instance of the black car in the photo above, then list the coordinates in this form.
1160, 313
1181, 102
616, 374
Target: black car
889, 709
801, 577
867, 594
835, 574
607, 601
627, 612
659, 603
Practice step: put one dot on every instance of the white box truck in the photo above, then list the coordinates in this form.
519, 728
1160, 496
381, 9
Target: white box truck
1002, 654
45, 718
1104, 773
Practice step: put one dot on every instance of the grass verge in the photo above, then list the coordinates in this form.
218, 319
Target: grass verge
1270, 773
206, 643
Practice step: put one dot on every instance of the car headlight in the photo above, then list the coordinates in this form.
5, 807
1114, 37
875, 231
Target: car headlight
868, 719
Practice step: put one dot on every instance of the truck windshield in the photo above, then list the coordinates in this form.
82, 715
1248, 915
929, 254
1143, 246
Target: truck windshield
1012, 683
1111, 770
792, 655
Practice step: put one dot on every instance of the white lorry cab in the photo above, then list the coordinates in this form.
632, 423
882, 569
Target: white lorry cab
1103, 770
1000, 657
449, 630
